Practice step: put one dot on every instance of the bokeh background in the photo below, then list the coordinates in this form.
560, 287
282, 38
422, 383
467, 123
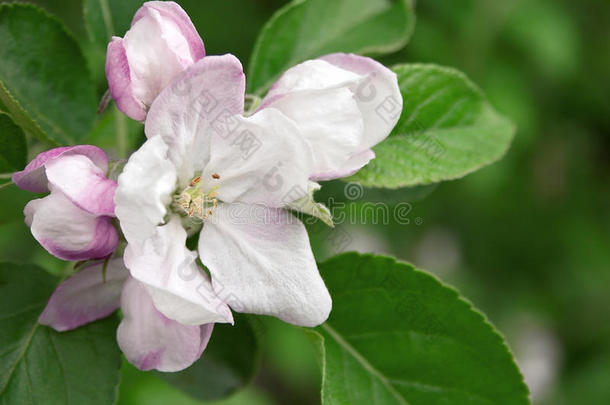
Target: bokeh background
527, 239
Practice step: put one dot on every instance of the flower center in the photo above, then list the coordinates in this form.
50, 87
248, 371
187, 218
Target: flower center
194, 202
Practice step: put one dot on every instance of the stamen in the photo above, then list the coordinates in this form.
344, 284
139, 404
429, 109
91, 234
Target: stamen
194, 203
196, 180
216, 176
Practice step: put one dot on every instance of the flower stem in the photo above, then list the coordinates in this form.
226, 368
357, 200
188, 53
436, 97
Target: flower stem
6, 185
120, 127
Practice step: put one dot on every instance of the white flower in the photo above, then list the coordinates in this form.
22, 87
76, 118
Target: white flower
208, 172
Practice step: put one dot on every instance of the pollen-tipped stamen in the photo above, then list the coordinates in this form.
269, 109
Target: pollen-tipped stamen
195, 203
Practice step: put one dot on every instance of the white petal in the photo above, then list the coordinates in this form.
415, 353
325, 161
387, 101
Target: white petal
149, 340
261, 262
323, 96
265, 160
199, 103
318, 97
355, 162
144, 191
312, 75
377, 94
86, 296
179, 288
329, 119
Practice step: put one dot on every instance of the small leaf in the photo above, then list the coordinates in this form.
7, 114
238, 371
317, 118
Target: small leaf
447, 129
44, 82
105, 18
306, 29
307, 205
228, 363
13, 148
41, 366
396, 335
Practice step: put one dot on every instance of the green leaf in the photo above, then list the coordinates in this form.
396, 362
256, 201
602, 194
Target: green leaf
228, 363
306, 29
447, 129
396, 335
105, 18
13, 148
41, 366
44, 81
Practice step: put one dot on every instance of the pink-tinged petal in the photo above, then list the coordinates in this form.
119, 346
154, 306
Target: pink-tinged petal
150, 340
171, 11
33, 177
118, 75
330, 120
30, 209
201, 102
67, 231
83, 183
265, 160
161, 43
352, 165
261, 262
157, 50
86, 296
178, 287
317, 96
377, 94
344, 104
206, 334
144, 188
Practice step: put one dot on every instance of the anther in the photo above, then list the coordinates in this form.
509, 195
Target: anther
196, 180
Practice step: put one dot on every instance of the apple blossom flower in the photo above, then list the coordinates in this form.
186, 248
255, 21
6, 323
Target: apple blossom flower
148, 339
161, 43
191, 179
74, 222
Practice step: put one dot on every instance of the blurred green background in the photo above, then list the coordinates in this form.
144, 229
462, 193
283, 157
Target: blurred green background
526, 239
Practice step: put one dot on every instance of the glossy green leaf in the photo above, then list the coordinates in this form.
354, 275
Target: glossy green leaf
105, 18
228, 363
13, 148
447, 129
306, 29
41, 366
396, 335
44, 81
